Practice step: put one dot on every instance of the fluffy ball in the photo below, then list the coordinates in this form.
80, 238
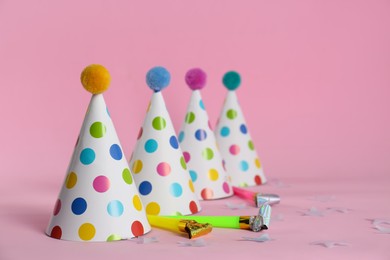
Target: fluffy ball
158, 78
231, 80
95, 78
196, 78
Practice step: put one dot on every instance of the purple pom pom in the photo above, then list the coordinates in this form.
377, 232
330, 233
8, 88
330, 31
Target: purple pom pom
196, 78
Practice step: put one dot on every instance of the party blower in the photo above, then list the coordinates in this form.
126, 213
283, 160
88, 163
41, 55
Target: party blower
254, 223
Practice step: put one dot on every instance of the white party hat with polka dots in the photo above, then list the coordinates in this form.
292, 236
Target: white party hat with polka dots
199, 146
234, 141
99, 200
157, 162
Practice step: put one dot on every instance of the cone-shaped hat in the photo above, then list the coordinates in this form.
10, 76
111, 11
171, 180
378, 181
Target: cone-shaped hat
157, 162
234, 141
199, 146
99, 200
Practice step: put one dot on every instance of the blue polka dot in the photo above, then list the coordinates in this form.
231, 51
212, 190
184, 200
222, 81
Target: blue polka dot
173, 142
201, 104
145, 188
116, 152
244, 166
200, 134
243, 129
115, 208
151, 146
87, 156
79, 206
176, 189
225, 131
194, 175
181, 136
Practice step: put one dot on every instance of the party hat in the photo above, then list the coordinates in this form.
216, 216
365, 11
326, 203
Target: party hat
199, 146
234, 141
157, 162
99, 200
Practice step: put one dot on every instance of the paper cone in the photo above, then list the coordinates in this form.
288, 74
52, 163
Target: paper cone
236, 146
99, 200
158, 165
200, 151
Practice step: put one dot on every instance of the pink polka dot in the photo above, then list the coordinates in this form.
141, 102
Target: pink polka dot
234, 149
207, 193
225, 187
57, 208
163, 169
187, 156
101, 183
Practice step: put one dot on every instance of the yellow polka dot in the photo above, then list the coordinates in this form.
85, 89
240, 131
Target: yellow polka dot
71, 180
191, 185
153, 208
137, 166
213, 174
87, 231
137, 203
257, 163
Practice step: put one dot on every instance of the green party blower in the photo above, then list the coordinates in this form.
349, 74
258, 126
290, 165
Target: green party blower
254, 223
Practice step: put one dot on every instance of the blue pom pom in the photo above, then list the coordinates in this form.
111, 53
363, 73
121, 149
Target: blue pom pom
158, 78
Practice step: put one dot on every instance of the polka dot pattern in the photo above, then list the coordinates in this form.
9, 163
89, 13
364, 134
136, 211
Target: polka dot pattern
116, 152
200, 135
126, 175
71, 180
87, 156
79, 206
137, 166
213, 174
163, 169
225, 131
137, 203
208, 153
173, 142
145, 188
153, 208
190, 117
176, 189
115, 208
231, 114
101, 184
151, 146
207, 193
159, 123
87, 231
137, 228
234, 149
97, 129
56, 232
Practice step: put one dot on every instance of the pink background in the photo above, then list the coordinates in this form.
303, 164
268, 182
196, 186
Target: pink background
315, 92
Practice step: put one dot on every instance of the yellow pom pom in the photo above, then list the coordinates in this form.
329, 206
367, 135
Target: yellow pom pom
95, 78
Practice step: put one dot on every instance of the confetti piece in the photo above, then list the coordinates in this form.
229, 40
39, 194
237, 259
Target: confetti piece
382, 225
145, 240
193, 243
236, 206
278, 217
329, 243
260, 239
312, 212
278, 183
339, 210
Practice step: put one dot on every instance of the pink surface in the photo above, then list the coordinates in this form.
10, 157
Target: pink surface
315, 94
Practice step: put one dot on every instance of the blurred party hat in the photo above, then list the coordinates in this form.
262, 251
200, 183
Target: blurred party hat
157, 162
99, 200
234, 141
199, 146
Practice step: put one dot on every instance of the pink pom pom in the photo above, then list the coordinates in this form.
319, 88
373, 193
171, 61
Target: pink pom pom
196, 78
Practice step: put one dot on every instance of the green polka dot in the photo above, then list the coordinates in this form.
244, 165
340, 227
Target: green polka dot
250, 145
97, 129
183, 163
190, 117
231, 114
113, 237
159, 123
208, 153
126, 175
